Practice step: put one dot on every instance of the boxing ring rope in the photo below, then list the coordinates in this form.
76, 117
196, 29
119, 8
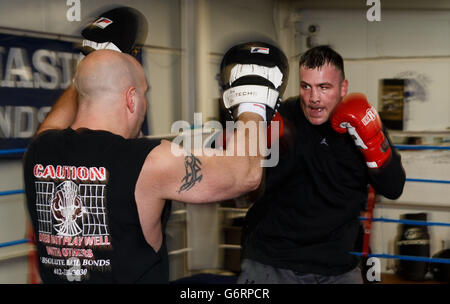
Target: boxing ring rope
12, 151
407, 222
418, 180
14, 243
368, 219
11, 192
420, 147
403, 257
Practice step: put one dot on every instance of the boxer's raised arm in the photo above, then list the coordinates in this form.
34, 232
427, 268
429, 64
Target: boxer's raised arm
63, 111
197, 178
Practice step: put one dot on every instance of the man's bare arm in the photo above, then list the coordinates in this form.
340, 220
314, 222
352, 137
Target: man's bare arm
197, 178
193, 178
63, 111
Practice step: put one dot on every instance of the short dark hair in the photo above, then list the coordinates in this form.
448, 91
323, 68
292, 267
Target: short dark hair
321, 55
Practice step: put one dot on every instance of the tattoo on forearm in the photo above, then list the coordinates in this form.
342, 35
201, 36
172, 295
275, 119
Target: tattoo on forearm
193, 168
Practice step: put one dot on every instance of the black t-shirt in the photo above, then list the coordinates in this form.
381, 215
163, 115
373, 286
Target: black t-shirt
80, 195
307, 218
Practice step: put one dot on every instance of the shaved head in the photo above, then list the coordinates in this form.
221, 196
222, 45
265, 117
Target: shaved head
111, 89
104, 73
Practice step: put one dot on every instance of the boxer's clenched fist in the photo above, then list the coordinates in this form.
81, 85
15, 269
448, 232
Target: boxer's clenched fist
357, 116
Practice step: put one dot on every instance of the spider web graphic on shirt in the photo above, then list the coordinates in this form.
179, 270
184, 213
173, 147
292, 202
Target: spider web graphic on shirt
93, 200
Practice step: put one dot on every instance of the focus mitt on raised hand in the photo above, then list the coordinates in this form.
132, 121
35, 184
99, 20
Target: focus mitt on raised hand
122, 29
253, 77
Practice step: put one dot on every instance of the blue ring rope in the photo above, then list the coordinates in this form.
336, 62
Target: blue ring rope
376, 255
12, 151
13, 243
11, 192
403, 257
399, 147
408, 222
414, 147
419, 180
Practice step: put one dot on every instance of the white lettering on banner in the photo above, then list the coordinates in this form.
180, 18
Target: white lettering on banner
20, 121
68, 66
17, 66
45, 67
54, 69
20, 126
48, 70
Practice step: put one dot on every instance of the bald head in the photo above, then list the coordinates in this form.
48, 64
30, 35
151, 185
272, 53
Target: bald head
106, 74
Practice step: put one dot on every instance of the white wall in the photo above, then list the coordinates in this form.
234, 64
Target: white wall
404, 42
234, 22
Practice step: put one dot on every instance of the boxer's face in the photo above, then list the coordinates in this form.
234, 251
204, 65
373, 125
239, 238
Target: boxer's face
320, 90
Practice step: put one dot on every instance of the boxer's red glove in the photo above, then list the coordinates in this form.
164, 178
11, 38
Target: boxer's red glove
286, 133
276, 119
357, 116
283, 134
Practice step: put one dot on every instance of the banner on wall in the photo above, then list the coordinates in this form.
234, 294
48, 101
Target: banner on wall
33, 74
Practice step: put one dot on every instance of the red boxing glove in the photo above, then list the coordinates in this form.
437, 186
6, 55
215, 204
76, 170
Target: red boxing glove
357, 116
276, 118
278, 134
286, 133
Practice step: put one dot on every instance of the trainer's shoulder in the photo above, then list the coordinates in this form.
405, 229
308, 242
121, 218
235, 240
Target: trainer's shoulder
144, 143
138, 149
49, 135
42, 144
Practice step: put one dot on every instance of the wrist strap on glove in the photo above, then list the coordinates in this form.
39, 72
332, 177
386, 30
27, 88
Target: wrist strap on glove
256, 108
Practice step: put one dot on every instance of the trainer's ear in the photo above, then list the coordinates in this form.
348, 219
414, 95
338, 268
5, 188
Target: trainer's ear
129, 95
